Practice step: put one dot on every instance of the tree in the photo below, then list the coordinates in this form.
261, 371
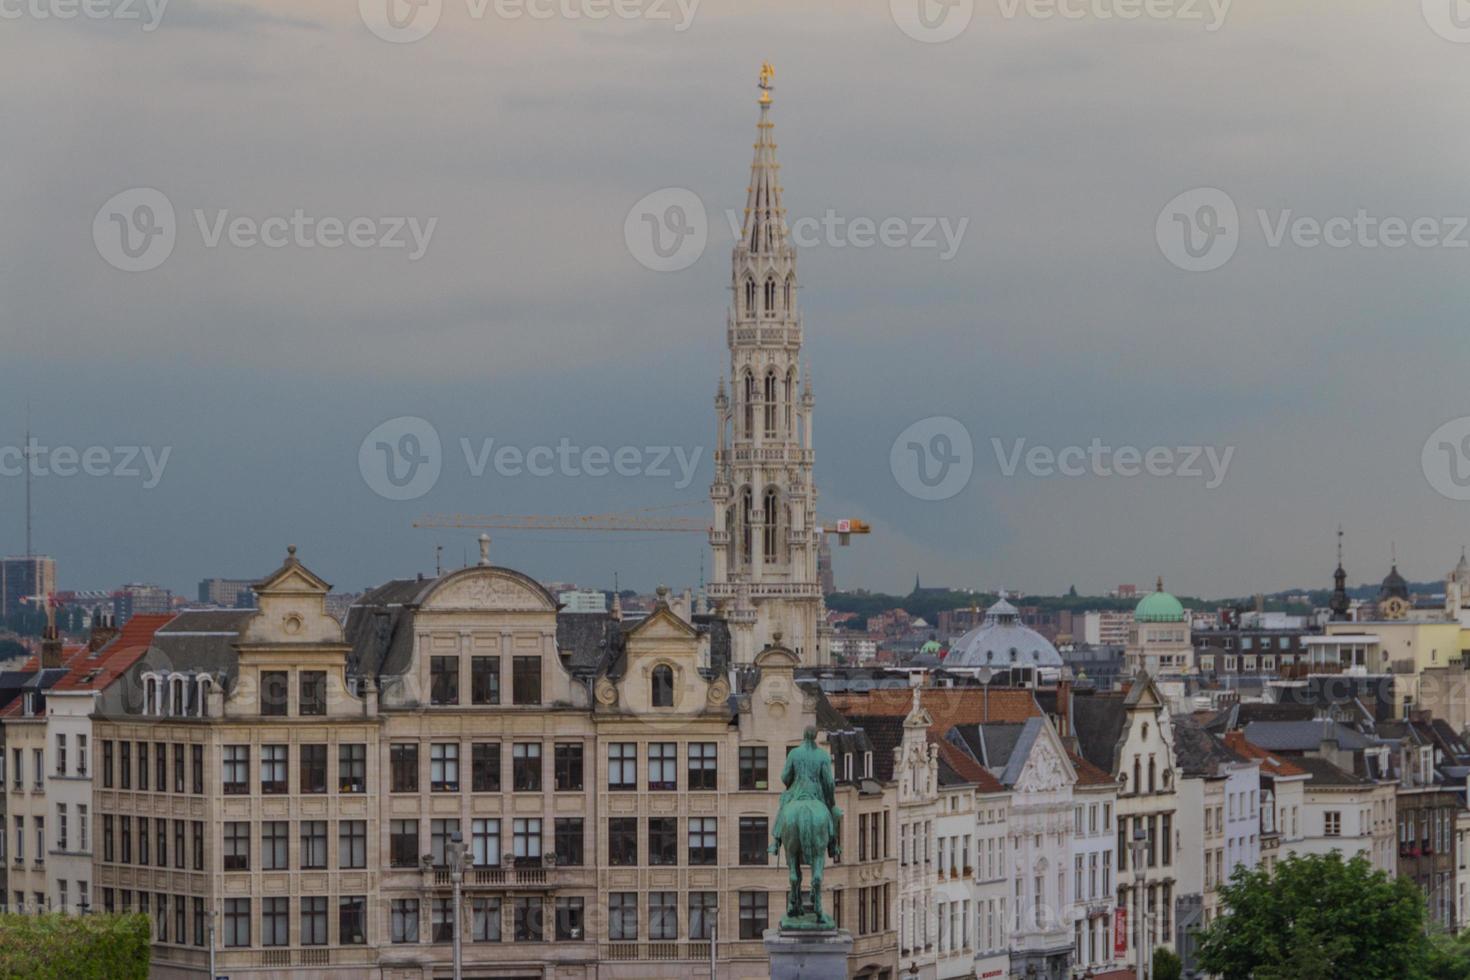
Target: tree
1449, 956
74, 947
1317, 917
1167, 966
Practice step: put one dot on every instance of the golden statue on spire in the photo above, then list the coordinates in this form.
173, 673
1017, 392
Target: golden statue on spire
767, 73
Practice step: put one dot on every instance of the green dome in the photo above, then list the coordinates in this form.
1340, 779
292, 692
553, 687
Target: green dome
933, 646
1158, 607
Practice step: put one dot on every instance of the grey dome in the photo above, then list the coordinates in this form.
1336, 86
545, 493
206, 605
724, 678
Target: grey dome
1002, 641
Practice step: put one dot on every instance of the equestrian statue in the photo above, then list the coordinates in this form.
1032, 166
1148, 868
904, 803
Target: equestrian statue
808, 825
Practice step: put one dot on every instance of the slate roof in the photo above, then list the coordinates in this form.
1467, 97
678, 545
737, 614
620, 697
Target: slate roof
202, 641
956, 767
1197, 751
1087, 773
1270, 764
1097, 722
1324, 773
884, 734
1303, 736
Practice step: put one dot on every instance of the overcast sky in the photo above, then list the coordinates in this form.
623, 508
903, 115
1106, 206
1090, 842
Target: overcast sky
516, 146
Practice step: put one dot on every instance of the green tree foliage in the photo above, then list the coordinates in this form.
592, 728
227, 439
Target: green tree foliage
1449, 956
1318, 918
74, 947
1167, 966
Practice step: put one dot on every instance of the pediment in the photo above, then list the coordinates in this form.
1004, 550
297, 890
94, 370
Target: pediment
662, 624
489, 589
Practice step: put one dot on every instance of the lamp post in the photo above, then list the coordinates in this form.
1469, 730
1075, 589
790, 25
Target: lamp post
212, 914
457, 857
1140, 848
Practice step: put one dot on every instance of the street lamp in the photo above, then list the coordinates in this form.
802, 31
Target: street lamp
458, 854
1140, 848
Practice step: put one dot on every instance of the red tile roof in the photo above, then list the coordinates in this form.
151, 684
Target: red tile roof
1087, 773
947, 706
94, 671
964, 766
1274, 764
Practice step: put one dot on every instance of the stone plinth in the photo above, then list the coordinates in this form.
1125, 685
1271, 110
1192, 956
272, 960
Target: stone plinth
808, 954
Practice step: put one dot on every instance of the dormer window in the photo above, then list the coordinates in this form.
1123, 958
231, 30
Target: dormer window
662, 694
867, 765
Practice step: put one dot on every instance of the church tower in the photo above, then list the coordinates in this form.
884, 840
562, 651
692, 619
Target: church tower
765, 536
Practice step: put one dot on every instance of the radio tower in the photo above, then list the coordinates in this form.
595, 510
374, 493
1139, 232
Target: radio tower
27, 456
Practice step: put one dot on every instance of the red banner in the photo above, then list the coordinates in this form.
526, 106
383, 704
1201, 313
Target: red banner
1120, 931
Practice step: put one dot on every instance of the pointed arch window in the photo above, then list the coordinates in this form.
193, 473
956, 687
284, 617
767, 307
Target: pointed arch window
790, 288
771, 507
746, 506
663, 687
770, 413
770, 297
790, 388
750, 297
749, 405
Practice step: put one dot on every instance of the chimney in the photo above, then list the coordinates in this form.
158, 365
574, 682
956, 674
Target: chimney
104, 629
1064, 707
50, 648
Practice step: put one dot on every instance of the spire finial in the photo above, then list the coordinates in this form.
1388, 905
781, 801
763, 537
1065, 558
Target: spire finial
1339, 545
767, 74
1159, 585
484, 548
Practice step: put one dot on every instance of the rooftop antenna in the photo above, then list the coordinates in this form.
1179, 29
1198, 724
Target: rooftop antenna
27, 455
438, 560
1339, 545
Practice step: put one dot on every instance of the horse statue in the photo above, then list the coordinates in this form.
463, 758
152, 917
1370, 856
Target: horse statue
808, 824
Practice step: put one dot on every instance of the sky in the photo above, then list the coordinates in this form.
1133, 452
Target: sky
271, 247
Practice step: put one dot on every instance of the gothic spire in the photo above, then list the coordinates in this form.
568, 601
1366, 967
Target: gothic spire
764, 232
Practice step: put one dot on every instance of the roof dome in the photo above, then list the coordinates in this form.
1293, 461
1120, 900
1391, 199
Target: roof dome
1158, 607
1393, 585
1001, 641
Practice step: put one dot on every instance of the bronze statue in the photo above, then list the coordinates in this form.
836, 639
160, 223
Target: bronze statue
807, 826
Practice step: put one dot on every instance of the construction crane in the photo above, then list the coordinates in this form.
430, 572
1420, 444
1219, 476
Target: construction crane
643, 520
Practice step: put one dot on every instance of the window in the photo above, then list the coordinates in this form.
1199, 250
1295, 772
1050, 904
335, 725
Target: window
314, 921
313, 845
160, 827
237, 921
702, 840
236, 766
753, 767
703, 907
527, 915
754, 838
403, 761
703, 758
526, 680
1332, 820
275, 845
237, 846
485, 842
485, 920
568, 767
313, 693
61, 828
403, 843
663, 687
275, 922
622, 841
125, 770
622, 766
273, 769
441, 918
352, 844
526, 767
142, 766
444, 680
160, 767
125, 839
569, 920
569, 837
196, 763
444, 767
274, 685
622, 916
441, 837
106, 764
663, 915
61, 753
485, 680
663, 766
405, 920
198, 917
107, 838
754, 917
180, 854
178, 768
663, 840
352, 920
196, 828
352, 768
485, 767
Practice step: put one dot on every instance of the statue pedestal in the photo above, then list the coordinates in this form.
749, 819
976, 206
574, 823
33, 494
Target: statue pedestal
808, 954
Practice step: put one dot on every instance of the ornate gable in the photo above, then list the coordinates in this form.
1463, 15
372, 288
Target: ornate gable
1047, 767
486, 588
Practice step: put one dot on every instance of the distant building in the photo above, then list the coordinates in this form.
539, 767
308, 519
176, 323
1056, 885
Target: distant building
583, 601
21, 579
229, 593
824, 566
136, 597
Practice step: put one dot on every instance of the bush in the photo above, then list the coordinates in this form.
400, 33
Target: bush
74, 947
1167, 966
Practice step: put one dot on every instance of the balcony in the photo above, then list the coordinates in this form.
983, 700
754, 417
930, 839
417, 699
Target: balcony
494, 877
624, 952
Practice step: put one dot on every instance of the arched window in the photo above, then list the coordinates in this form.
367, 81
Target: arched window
790, 286
770, 297
770, 403
746, 506
1137, 775
1152, 775
750, 297
749, 404
663, 687
150, 696
790, 389
176, 688
771, 506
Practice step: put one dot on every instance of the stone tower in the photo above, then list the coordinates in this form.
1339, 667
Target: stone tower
765, 536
